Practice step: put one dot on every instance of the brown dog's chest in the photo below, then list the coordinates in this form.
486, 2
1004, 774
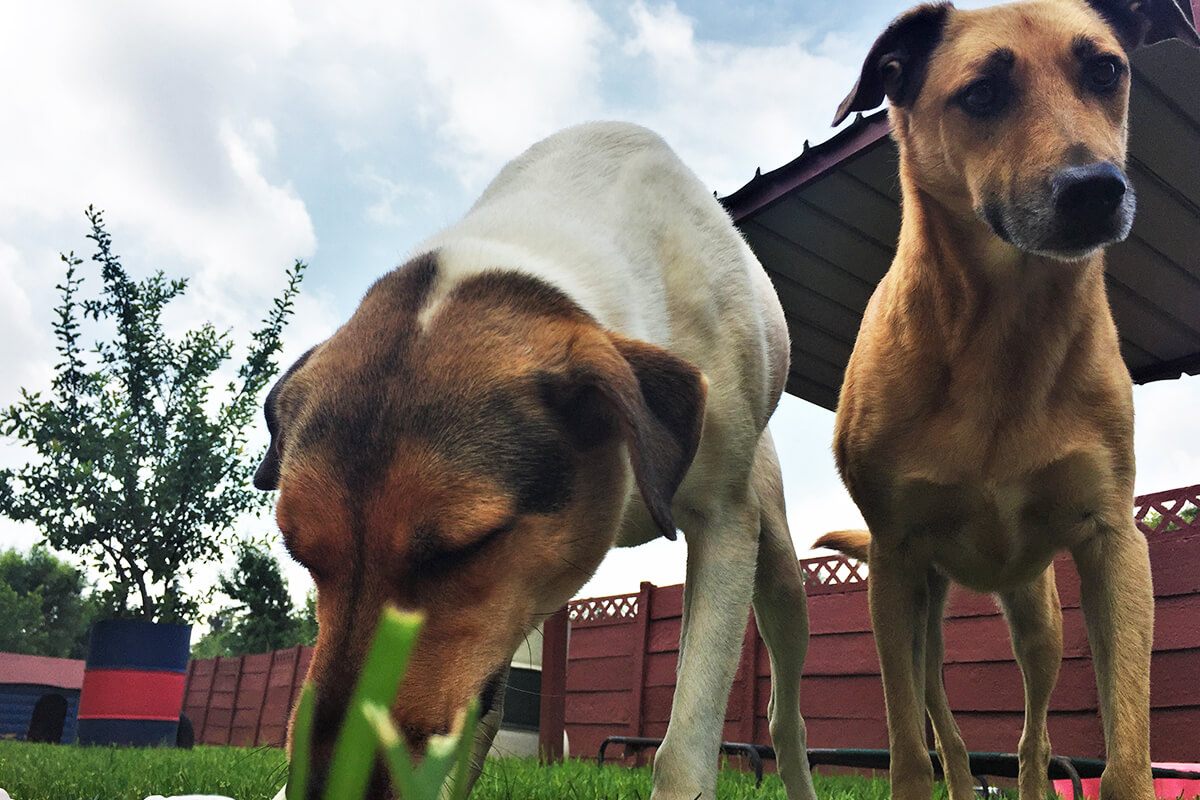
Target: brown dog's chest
989, 535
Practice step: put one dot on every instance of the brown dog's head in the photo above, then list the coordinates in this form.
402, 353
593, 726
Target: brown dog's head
1018, 112
465, 453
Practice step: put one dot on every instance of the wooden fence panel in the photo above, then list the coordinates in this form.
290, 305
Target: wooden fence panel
245, 700
604, 685
623, 652
841, 694
197, 692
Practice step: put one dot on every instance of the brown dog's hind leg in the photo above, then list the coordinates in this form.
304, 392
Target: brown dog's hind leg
899, 599
1034, 616
952, 752
781, 608
1118, 606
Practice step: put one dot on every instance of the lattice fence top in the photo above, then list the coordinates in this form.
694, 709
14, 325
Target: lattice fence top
597, 609
833, 571
1175, 510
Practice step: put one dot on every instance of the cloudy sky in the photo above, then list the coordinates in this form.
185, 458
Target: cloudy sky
226, 139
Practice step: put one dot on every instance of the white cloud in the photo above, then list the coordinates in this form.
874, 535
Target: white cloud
393, 199
1167, 456
664, 34
225, 139
728, 108
504, 74
16, 316
142, 110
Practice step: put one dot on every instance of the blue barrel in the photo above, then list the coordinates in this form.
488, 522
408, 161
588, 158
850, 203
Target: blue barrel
133, 683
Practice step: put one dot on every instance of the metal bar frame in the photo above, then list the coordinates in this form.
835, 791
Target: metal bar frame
997, 765
634, 744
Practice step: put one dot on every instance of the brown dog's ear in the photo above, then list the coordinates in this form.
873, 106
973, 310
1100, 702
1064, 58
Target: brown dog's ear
266, 477
895, 67
1144, 22
656, 401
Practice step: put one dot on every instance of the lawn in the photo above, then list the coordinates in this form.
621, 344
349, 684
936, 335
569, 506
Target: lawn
69, 772
58, 772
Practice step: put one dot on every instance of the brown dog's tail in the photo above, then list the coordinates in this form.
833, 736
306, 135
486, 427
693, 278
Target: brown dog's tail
856, 544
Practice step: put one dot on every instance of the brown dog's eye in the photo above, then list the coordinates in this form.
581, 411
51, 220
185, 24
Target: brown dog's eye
1103, 74
983, 98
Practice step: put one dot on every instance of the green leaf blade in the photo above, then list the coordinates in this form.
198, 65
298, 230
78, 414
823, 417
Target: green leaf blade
386, 662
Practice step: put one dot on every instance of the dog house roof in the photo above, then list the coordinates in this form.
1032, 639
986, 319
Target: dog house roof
64, 673
825, 227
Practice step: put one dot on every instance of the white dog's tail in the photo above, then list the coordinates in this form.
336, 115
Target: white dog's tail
856, 544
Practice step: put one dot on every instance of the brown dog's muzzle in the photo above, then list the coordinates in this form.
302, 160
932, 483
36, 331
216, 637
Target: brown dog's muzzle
1093, 204
1080, 209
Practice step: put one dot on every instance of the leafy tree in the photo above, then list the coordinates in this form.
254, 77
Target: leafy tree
216, 641
308, 619
21, 629
261, 618
43, 610
263, 610
141, 468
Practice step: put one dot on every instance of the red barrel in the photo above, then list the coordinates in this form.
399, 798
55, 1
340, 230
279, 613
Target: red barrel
133, 683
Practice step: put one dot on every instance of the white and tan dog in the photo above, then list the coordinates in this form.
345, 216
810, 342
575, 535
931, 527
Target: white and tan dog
587, 359
986, 420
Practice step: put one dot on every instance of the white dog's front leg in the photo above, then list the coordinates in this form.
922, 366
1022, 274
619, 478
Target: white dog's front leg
722, 552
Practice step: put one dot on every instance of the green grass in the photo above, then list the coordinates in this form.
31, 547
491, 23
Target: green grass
514, 779
68, 772
54, 772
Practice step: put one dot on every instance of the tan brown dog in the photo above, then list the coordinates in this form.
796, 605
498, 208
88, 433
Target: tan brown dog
986, 421
587, 359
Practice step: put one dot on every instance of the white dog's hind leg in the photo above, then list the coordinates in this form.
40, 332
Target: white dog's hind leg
781, 608
722, 546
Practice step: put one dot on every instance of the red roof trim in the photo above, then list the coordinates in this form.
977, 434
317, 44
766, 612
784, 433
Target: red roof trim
811, 164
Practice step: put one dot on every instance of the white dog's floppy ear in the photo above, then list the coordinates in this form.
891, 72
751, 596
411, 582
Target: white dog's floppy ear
266, 477
654, 400
895, 67
1145, 22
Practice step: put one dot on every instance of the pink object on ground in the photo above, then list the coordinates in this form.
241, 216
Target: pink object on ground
1164, 788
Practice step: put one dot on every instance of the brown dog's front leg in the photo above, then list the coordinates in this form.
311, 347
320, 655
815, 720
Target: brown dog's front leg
899, 611
1118, 605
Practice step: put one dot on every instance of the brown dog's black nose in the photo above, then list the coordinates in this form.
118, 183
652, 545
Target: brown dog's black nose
1094, 190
